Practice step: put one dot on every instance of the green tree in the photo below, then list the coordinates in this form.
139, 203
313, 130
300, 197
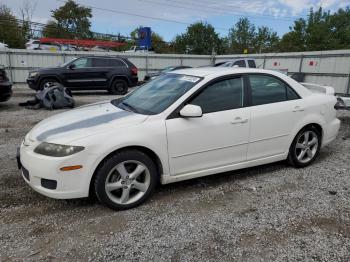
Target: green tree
70, 21
242, 36
11, 32
320, 31
340, 28
295, 40
265, 40
200, 38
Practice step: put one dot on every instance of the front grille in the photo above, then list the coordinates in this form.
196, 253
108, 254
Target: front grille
25, 173
48, 183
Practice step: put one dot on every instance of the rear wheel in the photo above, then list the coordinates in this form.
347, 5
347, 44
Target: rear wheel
125, 180
305, 147
118, 87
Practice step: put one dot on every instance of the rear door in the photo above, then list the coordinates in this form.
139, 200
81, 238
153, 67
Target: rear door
101, 68
275, 110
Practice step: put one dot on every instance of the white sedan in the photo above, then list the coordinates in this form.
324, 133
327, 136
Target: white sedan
182, 125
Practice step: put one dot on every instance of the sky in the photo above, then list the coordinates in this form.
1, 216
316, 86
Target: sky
173, 16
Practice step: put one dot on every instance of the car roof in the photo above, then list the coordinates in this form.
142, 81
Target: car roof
220, 71
102, 56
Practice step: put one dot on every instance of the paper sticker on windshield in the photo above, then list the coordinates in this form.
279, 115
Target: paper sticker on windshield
192, 79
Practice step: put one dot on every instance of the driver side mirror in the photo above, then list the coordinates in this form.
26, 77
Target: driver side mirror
191, 111
71, 66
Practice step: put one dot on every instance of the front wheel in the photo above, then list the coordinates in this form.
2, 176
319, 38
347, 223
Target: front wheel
125, 180
305, 147
47, 82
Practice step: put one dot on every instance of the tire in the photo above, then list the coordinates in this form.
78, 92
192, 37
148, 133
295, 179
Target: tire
118, 87
46, 82
125, 180
305, 147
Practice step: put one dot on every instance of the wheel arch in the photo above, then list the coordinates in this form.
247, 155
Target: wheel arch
122, 77
48, 77
315, 124
149, 152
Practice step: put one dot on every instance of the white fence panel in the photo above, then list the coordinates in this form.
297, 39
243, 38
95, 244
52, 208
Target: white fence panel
326, 67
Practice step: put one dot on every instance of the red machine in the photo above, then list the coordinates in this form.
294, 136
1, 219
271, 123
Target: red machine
82, 42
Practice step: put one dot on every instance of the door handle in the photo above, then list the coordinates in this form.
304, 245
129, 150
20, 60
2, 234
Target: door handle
239, 120
298, 109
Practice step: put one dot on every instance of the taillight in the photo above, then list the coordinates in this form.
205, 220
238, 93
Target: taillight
134, 70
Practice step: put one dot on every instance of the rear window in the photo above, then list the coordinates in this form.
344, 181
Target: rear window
240, 63
115, 62
251, 64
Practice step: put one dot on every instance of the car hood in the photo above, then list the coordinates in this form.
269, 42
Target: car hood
65, 128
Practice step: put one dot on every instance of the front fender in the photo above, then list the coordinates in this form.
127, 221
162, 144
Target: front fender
150, 135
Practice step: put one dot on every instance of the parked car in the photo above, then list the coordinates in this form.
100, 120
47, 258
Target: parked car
114, 74
5, 86
185, 124
136, 49
152, 76
243, 62
35, 44
3, 46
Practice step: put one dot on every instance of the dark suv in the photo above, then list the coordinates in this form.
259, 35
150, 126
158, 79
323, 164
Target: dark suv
5, 86
114, 74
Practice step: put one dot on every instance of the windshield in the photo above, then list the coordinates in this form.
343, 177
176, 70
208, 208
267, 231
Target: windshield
68, 62
157, 95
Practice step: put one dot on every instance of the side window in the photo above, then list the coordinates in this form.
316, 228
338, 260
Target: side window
251, 64
291, 94
220, 96
268, 89
100, 62
82, 63
240, 63
115, 63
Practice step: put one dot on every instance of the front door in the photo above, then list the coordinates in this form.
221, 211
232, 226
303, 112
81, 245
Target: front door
218, 138
81, 74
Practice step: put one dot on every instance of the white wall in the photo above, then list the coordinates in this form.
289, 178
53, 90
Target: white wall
324, 67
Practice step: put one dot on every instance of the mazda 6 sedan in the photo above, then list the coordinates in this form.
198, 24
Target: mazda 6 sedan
185, 124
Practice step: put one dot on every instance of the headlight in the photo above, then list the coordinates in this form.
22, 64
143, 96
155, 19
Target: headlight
55, 150
153, 77
33, 74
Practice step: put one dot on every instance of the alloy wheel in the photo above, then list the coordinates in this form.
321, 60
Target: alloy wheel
306, 146
127, 182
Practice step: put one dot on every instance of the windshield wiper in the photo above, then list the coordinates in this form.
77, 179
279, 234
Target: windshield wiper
133, 109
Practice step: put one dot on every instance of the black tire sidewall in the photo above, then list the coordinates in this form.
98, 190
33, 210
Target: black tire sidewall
111, 162
113, 90
292, 158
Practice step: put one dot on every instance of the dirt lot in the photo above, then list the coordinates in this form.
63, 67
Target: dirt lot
269, 213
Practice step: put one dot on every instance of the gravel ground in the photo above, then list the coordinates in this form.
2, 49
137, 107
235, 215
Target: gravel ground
268, 213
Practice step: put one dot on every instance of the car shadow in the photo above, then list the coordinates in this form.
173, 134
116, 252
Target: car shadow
90, 93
